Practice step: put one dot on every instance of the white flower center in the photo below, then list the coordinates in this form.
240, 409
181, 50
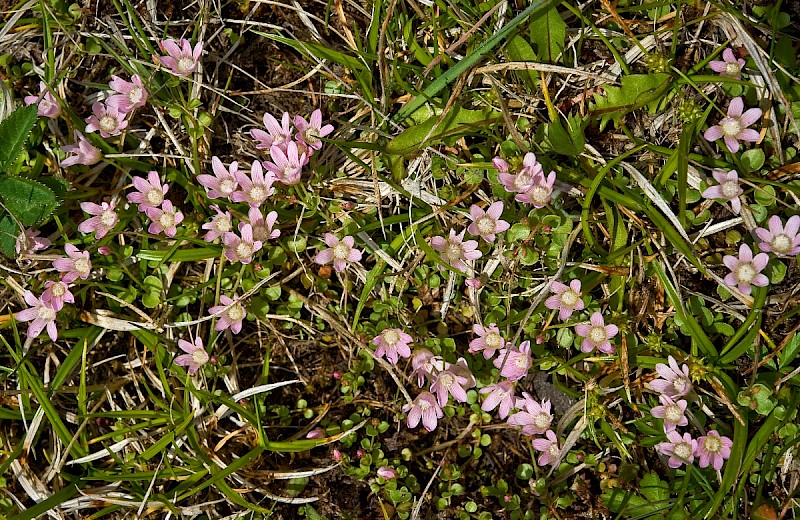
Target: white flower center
135, 95
184, 64
447, 380
311, 135
107, 124
82, 266
391, 337
486, 225
521, 361
243, 250
341, 251
522, 182
541, 420
58, 290
46, 313
679, 384
712, 444
729, 189
167, 220
108, 218
453, 252
492, 340
223, 224
154, 196
597, 335
540, 195
781, 244
227, 186
553, 451
569, 298
745, 273
732, 69
423, 405
673, 413
288, 171
731, 126
235, 313
258, 194
682, 450
199, 357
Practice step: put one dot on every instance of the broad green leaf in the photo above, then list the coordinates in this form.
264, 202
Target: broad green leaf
653, 488
520, 50
9, 231
458, 121
548, 33
637, 90
790, 351
27, 200
566, 137
753, 159
14, 132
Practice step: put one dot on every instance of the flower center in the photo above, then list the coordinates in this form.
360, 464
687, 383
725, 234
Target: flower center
227, 186
682, 450
679, 384
155, 196
135, 95
223, 224
258, 194
235, 313
46, 313
200, 357
58, 290
311, 135
673, 413
391, 337
781, 244
485, 225
540, 195
243, 250
522, 181
569, 298
453, 252
447, 380
732, 69
107, 124
712, 444
423, 405
184, 64
167, 220
729, 189
521, 361
341, 251
260, 233
745, 273
597, 335
82, 266
108, 218
731, 127
553, 450
541, 420
492, 340
288, 171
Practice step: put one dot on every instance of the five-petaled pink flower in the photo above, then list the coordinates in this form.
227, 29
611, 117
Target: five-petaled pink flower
597, 334
539, 192
287, 167
277, 134
672, 412
150, 193
680, 450
535, 419
105, 119
779, 239
487, 224
500, 394
56, 294
262, 227
455, 251
48, 105
728, 188
514, 362
241, 249
566, 299
220, 224
426, 408
41, 315
76, 265
674, 381
489, 340
309, 132
733, 128
450, 382
180, 60
523, 180
746, 270
713, 449
393, 343
129, 96
340, 252
549, 448
223, 183
229, 315
83, 152
255, 188
195, 357
29, 241
104, 219
166, 219
729, 66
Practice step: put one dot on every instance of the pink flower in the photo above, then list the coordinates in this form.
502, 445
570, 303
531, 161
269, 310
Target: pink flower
475, 283
183, 60
386, 472
241, 249
548, 447
672, 412
566, 299
84, 152
105, 119
150, 193
514, 363
674, 381
522, 181
223, 183
48, 105
746, 270
256, 188
230, 314
500, 164
262, 227
487, 223
426, 408
539, 192
316, 433
783, 241
309, 133
680, 450
56, 294
166, 219
340, 252
220, 224
597, 334
286, 167
454, 251
500, 394
41, 314
130, 94
729, 66
733, 128
713, 449
28, 242
104, 219
392, 343
536, 418
195, 357
423, 364
450, 382
728, 188
489, 340
77, 265
277, 134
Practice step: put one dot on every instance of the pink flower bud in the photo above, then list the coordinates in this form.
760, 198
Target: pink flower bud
474, 282
337, 455
360, 453
316, 433
337, 375
387, 472
104, 250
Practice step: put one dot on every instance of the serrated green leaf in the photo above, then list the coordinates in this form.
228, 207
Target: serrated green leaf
14, 132
9, 231
27, 200
637, 90
548, 33
653, 488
